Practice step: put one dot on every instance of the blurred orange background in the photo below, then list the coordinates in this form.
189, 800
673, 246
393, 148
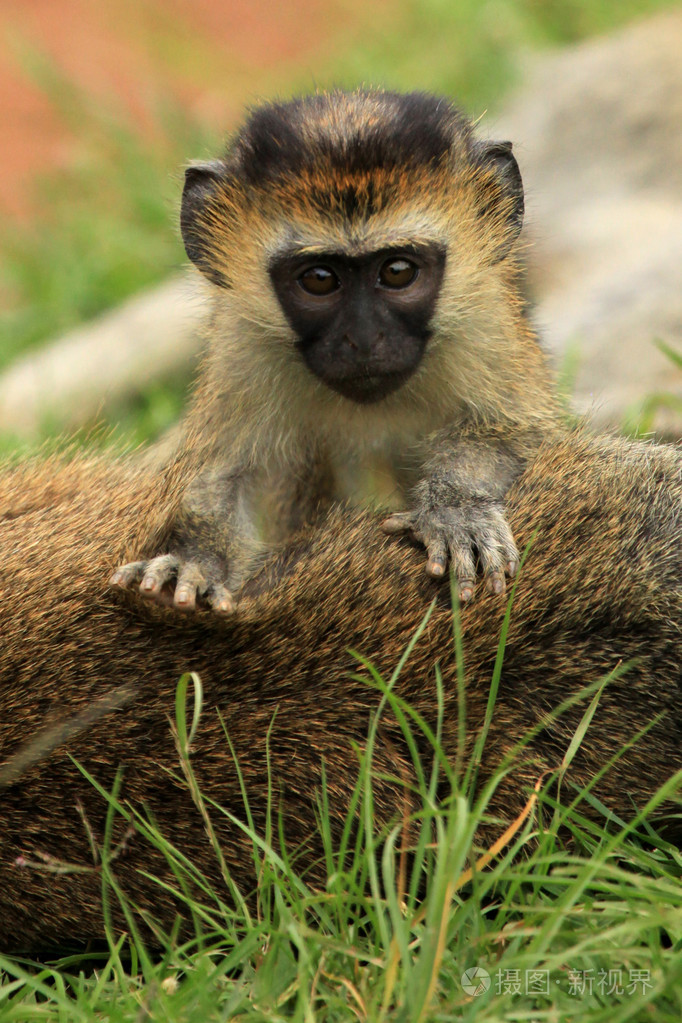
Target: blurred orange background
210, 56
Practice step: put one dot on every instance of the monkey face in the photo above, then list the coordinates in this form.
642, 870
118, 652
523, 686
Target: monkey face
328, 220
362, 322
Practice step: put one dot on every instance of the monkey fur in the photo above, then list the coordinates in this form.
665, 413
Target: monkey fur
361, 251
601, 586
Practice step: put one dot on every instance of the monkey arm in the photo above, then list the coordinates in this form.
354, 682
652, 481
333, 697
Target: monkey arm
459, 512
225, 522
212, 547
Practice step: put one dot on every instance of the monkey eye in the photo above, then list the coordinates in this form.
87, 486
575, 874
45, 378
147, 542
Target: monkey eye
398, 273
319, 280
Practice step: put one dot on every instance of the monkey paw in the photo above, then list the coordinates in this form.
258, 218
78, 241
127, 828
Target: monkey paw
460, 533
173, 581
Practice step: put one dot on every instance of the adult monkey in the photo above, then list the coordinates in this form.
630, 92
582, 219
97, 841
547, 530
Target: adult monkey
601, 587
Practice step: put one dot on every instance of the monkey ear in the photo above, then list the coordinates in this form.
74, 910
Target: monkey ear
202, 182
508, 195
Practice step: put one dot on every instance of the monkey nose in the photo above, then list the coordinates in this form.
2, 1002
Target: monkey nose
350, 342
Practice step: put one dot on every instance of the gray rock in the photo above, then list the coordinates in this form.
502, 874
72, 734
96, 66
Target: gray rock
598, 131
74, 379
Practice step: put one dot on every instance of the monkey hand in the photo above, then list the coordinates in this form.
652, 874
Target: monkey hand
179, 581
458, 533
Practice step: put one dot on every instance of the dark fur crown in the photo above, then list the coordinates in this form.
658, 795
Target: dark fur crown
348, 132
345, 156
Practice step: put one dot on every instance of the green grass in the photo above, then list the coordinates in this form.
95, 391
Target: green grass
107, 227
473, 49
591, 930
641, 418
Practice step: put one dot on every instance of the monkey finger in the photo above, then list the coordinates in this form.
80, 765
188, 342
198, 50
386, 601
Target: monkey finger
465, 589
495, 579
511, 559
437, 559
510, 552
185, 598
492, 559
158, 572
496, 551
401, 522
495, 582
125, 575
463, 568
191, 583
220, 599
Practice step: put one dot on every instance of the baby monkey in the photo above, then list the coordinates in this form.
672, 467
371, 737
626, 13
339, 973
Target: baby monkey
367, 311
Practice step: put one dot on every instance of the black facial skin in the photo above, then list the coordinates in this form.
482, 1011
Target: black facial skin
362, 321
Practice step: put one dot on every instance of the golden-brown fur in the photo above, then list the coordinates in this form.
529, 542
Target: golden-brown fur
601, 587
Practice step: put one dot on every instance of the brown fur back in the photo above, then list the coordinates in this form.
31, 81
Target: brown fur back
602, 586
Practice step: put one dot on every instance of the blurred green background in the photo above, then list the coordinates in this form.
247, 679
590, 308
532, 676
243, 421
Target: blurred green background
104, 102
